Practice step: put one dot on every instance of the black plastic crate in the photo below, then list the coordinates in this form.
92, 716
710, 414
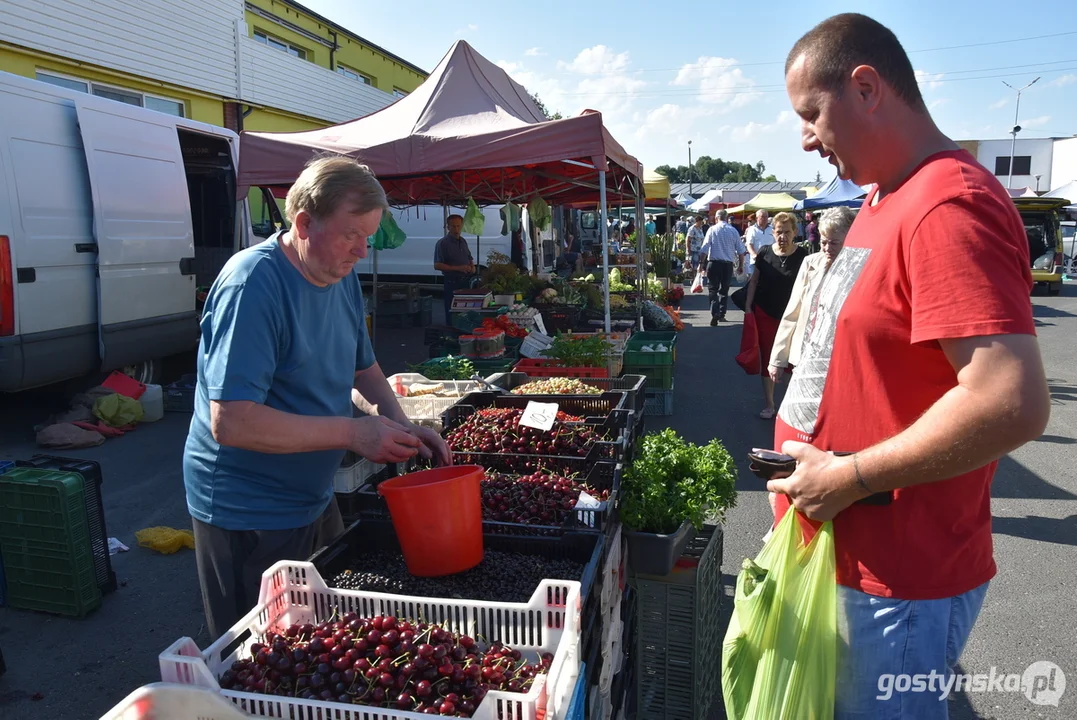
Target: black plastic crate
632, 385
92, 479
369, 535
559, 318
524, 463
605, 410
179, 396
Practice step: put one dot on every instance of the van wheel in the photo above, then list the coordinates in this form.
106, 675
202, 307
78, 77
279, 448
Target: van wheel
1054, 288
147, 372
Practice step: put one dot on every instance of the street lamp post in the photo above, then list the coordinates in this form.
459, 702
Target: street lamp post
1016, 127
689, 167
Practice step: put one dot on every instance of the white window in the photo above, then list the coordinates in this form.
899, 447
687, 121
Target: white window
130, 97
277, 44
399, 93
354, 74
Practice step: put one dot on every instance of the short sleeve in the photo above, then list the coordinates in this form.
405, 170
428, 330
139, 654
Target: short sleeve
240, 341
969, 271
437, 252
364, 351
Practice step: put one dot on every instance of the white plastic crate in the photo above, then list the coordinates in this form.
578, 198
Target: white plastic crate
349, 478
168, 701
294, 592
427, 410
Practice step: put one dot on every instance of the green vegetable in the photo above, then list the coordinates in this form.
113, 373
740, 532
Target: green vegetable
588, 351
446, 368
672, 480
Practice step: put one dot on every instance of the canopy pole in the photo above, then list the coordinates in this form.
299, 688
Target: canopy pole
641, 257
602, 224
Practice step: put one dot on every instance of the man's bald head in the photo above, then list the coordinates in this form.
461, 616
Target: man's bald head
836, 46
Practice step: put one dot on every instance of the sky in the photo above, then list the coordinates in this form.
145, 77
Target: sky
712, 73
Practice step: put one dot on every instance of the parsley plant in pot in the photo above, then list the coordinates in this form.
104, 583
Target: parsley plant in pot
670, 488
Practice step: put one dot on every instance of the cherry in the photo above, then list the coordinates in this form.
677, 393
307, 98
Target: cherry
423, 688
404, 701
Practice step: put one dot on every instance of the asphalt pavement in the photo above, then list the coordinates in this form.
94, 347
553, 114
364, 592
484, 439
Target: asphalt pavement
73, 669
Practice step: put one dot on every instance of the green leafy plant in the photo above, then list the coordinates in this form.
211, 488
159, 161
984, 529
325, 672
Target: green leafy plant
661, 249
672, 480
587, 351
446, 368
654, 289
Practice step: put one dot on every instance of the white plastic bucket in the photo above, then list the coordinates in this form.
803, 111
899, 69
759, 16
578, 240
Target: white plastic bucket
153, 404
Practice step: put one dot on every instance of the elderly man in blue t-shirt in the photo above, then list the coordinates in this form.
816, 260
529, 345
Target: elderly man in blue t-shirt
283, 357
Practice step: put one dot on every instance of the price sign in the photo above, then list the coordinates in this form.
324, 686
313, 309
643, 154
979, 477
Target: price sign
539, 415
588, 502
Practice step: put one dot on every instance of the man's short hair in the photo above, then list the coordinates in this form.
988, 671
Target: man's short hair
722, 215
699, 218
762, 212
327, 182
834, 47
454, 216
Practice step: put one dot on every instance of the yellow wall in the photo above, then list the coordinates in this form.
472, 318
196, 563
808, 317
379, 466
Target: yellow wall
384, 71
19, 61
267, 120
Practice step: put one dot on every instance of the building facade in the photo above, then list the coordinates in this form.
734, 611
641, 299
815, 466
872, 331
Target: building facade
269, 65
1039, 163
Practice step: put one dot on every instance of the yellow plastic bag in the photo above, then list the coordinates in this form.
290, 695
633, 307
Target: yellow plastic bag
779, 658
165, 540
118, 410
474, 220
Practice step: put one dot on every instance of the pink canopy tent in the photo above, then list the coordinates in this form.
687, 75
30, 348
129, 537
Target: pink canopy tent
468, 131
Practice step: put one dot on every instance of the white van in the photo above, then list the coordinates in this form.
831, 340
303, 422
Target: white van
110, 217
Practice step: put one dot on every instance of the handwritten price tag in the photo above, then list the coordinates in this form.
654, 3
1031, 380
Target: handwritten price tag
588, 502
539, 415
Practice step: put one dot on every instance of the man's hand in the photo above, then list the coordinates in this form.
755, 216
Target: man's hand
433, 445
822, 485
383, 441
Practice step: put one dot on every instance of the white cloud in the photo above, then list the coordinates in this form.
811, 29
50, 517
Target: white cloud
472, 27
719, 82
1035, 122
672, 121
1000, 103
1063, 80
932, 80
786, 121
610, 94
596, 60
534, 52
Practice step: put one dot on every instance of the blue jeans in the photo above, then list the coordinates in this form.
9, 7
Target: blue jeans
881, 639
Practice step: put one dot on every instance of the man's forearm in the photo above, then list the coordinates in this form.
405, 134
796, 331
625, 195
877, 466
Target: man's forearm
374, 396
259, 428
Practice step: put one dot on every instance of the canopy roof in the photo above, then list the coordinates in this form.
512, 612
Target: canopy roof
771, 202
836, 193
1068, 191
468, 131
655, 186
704, 203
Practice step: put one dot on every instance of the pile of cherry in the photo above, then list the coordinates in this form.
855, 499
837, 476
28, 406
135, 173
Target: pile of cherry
384, 662
537, 499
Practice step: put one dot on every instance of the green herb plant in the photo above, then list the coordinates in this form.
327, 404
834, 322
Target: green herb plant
661, 249
446, 368
672, 481
589, 351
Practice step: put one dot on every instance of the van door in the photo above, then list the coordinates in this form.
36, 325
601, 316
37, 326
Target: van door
143, 234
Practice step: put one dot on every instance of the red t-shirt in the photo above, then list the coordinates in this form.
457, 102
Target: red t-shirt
944, 256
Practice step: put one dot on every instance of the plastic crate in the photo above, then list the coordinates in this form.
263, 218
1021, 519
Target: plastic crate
632, 385
659, 377
354, 472
45, 542
179, 396
523, 463
543, 368
294, 592
606, 409
660, 402
169, 701
559, 318
92, 480
6, 465
678, 650
467, 320
635, 357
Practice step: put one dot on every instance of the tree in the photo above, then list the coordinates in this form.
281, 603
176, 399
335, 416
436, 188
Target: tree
542, 107
706, 169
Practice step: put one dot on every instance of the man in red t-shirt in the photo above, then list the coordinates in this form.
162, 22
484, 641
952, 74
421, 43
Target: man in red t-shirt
920, 357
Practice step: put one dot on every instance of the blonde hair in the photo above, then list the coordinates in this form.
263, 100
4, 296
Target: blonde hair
327, 182
784, 218
835, 222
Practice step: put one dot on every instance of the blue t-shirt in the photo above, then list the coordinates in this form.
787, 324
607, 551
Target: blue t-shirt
271, 337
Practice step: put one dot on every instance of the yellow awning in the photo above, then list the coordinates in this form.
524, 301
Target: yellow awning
655, 186
771, 202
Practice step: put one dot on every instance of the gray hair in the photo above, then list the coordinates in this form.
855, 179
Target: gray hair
327, 182
836, 221
722, 215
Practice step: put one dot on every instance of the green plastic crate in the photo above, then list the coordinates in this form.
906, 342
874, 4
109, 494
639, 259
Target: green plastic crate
634, 357
659, 377
45, 541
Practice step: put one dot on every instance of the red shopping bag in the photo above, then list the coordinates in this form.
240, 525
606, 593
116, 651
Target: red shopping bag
748, 358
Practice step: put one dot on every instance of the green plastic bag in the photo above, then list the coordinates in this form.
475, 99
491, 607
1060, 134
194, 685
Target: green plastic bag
474, 220
779, 658
118, 410
389, 235
539, 212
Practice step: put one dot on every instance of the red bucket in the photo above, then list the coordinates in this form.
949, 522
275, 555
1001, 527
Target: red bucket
437, 515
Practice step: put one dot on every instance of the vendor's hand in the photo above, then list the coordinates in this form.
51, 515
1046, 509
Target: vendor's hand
822, 485
433, 445
776, 373
383, 441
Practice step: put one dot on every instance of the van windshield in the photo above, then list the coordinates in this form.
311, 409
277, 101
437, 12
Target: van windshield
589, 220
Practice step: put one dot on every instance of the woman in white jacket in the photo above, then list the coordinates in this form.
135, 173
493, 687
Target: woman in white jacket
834, 225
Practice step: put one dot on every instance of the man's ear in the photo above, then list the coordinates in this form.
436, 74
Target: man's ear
303, 221
866, 82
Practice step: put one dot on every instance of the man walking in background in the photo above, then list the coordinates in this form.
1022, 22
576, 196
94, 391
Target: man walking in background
757, 237
722, 252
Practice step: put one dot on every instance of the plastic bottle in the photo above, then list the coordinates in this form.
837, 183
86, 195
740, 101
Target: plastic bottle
153, 404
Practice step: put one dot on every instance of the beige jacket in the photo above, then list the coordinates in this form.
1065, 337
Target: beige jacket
790, 335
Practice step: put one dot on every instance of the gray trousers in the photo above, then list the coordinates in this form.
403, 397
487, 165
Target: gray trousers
231, 562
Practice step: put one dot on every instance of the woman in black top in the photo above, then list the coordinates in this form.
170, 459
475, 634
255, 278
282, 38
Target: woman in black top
776, 268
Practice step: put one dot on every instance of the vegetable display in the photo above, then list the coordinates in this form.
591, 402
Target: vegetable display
577, 351
537, 499
445, 368
503, 323
384, 662
672, 480
556, 386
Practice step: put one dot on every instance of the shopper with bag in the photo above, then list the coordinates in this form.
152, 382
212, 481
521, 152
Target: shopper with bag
927, 375
769, 290
722, 252
694, 240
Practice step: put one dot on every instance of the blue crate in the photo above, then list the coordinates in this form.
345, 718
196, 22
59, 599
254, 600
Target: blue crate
577, 707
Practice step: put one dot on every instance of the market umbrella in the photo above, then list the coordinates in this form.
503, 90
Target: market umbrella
838, 192
1068, 191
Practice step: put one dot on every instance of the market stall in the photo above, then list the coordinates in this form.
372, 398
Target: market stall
836, 193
